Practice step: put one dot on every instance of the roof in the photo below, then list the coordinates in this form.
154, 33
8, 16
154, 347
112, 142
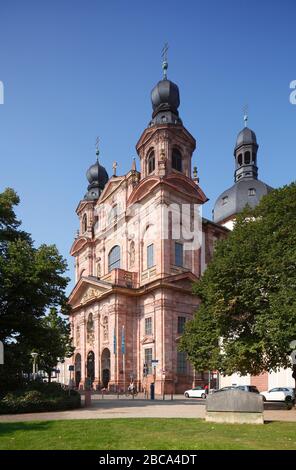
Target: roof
245, 136
233, 200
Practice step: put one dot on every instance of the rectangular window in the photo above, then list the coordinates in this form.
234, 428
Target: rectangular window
181, 325
199, 376
148, 359
148, 326
178, 254
150, 256
181, 363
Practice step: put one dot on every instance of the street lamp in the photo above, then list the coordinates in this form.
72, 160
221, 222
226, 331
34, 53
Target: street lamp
34, 356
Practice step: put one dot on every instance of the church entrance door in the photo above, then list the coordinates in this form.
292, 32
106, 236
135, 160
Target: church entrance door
77, 369
90, 366
105, 367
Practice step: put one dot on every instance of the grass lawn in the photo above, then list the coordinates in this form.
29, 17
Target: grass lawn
147, 433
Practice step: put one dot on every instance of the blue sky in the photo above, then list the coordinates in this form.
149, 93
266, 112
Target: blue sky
76, 69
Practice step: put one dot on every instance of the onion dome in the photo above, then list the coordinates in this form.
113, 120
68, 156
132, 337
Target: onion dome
165, 100
245, 137
97, 177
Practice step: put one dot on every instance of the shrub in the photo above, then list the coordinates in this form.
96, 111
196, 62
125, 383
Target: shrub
38, 397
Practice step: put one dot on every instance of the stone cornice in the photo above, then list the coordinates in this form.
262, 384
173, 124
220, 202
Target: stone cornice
169, 282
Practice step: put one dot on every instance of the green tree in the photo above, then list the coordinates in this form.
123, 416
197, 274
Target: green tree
55, 341
247, 317
32, 281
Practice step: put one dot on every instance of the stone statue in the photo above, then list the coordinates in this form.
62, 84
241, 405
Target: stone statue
90, 329
132, 254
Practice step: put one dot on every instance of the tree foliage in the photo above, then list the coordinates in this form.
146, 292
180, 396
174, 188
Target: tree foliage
32, 281
247, 317
56, 341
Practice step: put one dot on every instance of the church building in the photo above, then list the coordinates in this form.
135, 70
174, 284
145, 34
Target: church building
141, 244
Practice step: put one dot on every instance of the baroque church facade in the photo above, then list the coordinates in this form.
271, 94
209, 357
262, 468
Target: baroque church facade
135, 261
141, 244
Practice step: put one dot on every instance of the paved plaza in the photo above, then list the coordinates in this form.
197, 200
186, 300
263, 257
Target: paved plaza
125, 407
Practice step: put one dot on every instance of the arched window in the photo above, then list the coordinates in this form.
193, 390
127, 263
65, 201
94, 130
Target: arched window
151, 163
90, 366
254, 157
176, 160
77, 369
84, 223
240, 159
114, 258
247, 158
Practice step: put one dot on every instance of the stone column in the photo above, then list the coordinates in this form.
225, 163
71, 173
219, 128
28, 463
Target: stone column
90, 261
83, 352
103, 267
114, 358
97, 381
141, 244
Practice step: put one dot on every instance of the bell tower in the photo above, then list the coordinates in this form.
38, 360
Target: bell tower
165, 146
245, 154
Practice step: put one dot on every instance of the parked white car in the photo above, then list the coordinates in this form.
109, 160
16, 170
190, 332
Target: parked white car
279, 394
196, 392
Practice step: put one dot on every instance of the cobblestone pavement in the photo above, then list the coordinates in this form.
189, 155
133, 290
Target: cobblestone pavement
126, 407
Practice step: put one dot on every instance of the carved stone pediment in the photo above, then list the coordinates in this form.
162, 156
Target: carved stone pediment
88, 290
90, 293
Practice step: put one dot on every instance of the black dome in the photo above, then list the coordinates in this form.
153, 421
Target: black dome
97, 177
245, 136
97, 174
165, 100
165, 94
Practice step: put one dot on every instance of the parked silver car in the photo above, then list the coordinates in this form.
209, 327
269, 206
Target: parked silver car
245, 388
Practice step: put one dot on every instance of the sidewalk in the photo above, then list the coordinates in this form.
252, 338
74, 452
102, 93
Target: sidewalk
138, 408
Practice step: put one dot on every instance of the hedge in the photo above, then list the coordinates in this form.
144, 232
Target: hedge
39, 397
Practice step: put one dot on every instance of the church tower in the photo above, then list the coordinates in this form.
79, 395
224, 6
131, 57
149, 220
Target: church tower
247, 188
165, 147
137, 253
245, 154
